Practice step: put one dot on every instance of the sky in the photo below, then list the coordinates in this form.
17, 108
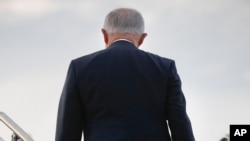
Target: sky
208, 39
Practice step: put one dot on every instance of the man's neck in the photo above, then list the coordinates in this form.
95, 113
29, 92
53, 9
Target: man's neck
126, 37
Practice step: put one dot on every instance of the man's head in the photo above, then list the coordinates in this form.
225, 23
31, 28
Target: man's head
124, 23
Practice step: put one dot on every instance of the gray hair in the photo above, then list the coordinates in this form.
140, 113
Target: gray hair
124, 20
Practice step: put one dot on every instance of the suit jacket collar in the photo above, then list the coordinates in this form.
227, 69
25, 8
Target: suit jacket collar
122, 43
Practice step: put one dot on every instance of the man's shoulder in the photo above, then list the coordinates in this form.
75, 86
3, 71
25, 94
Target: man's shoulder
159, 57
88, 57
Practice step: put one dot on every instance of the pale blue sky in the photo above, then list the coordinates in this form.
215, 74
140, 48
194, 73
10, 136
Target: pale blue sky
208, 39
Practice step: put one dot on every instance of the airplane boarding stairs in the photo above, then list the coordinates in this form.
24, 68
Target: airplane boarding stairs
18, 133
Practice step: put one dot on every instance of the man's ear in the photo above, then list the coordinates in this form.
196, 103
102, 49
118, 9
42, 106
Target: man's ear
105, 36
141, 39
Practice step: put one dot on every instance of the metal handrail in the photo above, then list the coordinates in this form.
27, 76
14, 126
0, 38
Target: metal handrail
14, 127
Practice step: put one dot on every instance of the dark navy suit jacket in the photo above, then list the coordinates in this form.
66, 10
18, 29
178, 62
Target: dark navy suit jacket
123, 94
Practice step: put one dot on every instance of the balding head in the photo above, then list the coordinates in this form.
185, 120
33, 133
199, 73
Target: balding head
124, 20
124, 23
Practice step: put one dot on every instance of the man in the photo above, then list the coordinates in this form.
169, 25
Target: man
122, 93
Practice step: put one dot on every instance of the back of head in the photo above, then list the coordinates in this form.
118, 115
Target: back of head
124, 21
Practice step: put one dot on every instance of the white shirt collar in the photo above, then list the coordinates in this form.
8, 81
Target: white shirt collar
122, 40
